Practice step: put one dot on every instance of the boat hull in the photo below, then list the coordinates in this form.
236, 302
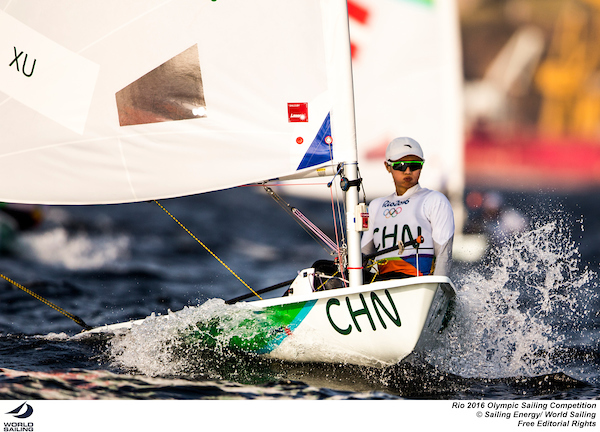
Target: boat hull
377, 324
373, 325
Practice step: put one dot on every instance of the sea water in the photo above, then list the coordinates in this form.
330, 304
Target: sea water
525, 321
524, 311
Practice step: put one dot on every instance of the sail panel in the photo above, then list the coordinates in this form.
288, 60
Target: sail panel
63, 83
179, 97
320, 150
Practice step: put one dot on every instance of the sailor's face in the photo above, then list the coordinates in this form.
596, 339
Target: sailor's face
406, 179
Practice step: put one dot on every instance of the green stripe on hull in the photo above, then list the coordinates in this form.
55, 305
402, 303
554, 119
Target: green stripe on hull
293, 311
261, 333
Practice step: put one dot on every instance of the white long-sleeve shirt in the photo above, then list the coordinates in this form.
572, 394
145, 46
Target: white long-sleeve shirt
419, 212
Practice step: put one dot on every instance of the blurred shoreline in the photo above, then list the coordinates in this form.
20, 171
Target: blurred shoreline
532, 94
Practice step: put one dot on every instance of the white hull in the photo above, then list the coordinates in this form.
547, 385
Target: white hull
378, 324
351, 325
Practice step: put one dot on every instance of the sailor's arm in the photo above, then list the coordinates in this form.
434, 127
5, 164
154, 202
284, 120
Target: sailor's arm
443, 257
440, 214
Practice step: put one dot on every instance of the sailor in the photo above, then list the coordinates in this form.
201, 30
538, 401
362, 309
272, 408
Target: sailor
420, 218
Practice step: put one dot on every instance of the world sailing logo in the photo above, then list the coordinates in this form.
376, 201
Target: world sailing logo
17, 411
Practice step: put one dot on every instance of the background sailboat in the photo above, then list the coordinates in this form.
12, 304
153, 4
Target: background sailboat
408, 82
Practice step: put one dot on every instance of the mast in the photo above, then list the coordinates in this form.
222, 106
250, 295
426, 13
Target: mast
353, 235
344, 130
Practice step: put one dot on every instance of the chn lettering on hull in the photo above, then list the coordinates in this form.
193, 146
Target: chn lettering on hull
376, 313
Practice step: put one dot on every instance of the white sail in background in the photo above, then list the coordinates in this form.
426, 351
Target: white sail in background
120, 101
408, 82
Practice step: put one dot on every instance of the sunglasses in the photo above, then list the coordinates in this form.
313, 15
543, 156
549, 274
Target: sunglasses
401, 166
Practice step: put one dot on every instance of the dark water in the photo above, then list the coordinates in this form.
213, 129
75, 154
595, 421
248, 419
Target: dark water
526, 321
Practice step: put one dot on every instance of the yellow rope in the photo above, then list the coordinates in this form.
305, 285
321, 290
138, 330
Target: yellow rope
48, 303
323, 284
207, 249
372, 264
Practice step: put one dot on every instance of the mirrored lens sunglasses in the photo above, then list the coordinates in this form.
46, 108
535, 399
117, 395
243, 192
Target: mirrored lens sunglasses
401, 166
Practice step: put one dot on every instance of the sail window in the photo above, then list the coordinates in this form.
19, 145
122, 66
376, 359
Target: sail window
172, 91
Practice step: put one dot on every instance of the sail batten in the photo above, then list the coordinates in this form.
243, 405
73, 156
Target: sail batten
164, 99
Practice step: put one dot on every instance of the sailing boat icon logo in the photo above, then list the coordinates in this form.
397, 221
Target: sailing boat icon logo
17, 411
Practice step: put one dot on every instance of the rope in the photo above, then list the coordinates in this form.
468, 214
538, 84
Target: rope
318, 233
312, 230
332, 276
206, 248
335, 225
48, 303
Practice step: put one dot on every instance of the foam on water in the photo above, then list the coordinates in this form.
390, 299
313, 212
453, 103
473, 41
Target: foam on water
79, 251
515, 313
159, 347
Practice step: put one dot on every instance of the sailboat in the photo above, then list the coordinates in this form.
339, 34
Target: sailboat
142, 100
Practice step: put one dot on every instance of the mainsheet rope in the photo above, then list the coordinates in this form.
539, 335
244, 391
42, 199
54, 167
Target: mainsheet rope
206, 248
48, 303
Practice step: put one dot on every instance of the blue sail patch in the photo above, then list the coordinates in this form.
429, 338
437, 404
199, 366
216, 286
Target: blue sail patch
319, 151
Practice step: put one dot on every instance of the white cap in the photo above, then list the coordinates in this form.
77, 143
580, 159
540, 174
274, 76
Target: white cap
403, 146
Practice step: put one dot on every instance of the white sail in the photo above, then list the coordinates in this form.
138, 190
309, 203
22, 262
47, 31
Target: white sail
408, 82
113, 101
